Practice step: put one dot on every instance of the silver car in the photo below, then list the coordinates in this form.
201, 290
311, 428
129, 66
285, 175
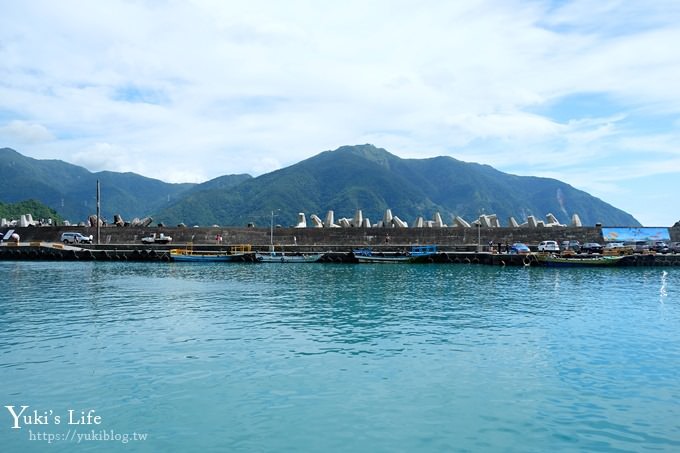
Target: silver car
75, 238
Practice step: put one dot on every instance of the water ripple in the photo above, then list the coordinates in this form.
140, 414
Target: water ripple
350, 357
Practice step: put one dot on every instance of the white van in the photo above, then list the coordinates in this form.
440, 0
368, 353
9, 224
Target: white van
548, 246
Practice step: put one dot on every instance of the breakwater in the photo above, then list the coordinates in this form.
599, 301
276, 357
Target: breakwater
327, 238
456, 245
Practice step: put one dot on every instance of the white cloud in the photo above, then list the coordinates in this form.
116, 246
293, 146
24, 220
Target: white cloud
104, 156
24, 133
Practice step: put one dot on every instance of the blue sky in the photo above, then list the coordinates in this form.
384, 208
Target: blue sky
583, 91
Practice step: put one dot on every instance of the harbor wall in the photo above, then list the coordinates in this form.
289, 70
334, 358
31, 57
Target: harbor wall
328, 238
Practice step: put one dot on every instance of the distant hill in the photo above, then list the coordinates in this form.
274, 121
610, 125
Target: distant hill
71, 190
38, 210
373, 180
202, 204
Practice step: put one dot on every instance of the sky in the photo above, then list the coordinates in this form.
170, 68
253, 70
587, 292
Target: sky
587, 92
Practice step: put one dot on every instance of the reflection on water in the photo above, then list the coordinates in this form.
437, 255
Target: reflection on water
348, 357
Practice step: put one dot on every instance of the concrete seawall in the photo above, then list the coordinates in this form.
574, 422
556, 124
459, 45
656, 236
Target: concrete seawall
456, 245
342, 239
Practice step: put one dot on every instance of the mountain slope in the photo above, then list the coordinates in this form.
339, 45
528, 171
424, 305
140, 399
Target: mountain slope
369, 178
71, 190
39, 211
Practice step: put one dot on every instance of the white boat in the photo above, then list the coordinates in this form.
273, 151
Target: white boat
282, 257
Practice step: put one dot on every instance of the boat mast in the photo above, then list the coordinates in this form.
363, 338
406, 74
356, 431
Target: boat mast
271, 234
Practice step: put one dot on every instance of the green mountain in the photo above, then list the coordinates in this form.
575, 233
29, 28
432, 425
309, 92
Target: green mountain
14, 211
371, 179
72, 190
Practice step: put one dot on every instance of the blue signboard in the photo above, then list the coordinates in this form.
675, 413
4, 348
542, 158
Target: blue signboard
635, 234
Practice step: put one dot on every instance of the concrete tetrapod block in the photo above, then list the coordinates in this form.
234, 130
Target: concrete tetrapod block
551, 221
576, 221
531, 221
437, 219
460, 222
302, 220
493, 221
387, 219
398, 223
316, 221
484, 221
330, 220
358, 219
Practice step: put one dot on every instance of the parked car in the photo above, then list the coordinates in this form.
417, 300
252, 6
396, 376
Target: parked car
519, 249
638, 246
548, 246
574, 246
75, 238
157, 239
674, 247
660, 247
591, 247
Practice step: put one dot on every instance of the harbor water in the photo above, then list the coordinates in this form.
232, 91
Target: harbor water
110, 356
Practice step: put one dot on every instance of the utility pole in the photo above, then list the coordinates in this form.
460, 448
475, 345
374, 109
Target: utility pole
98, 212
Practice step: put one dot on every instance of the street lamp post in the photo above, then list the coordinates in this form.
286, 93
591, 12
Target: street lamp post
98, 212
271, 233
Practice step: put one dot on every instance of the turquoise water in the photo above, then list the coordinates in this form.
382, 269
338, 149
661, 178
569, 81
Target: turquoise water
314, 357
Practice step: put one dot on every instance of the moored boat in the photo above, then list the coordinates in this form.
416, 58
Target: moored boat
417, 253
577, 261
282, 257
235, 253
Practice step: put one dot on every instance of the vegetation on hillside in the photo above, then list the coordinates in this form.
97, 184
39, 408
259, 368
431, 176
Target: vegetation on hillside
371, 179
349, 178
38, 210
72, 190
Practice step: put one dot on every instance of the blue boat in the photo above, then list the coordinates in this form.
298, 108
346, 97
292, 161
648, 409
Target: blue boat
417, 253
281, 257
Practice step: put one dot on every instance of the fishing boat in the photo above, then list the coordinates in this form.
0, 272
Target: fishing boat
577, 261
417, 253
240, 252
282, 257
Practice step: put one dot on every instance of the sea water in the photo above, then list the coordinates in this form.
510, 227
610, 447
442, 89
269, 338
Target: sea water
337, 357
